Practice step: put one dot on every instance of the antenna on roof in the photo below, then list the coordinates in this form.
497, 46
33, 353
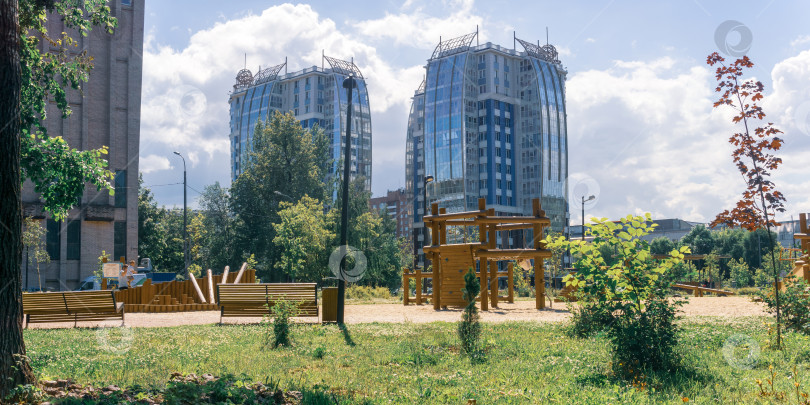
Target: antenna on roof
322, 57
546, 35
245, 60
476, 35
514, 40
285, 65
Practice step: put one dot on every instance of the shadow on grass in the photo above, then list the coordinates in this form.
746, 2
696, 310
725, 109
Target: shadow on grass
346, 335
677, 380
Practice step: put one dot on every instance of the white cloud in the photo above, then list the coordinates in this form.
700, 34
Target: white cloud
154, 163
419, 29
801, 40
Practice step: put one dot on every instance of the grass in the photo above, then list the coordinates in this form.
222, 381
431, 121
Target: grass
409, 363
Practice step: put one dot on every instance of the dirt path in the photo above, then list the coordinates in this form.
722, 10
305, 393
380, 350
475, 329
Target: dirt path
727, 307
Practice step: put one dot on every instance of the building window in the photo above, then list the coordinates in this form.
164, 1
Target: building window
482, 89
119, 239
295, 112
498, 152
74, 240
120, 188
126, 3
306, 108
53, 235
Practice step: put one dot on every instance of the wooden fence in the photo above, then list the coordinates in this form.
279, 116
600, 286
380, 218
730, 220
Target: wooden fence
176, 296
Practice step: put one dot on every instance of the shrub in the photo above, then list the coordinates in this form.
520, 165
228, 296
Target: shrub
795, 304
740, 273
281, 312
367, 293
623, 290
469, 329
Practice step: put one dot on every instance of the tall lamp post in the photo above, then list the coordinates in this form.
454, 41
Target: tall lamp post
349, 84
428, 179
185, 217
591, 198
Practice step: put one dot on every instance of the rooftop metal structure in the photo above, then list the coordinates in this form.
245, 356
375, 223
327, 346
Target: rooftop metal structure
344, 67
454, 46
421, 88
546, 52
269, 74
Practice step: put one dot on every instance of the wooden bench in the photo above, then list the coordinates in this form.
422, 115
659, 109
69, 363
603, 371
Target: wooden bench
71, 306
256, 300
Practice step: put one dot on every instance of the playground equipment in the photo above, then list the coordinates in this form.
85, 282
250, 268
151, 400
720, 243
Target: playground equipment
451, 261
801, 265
176, 296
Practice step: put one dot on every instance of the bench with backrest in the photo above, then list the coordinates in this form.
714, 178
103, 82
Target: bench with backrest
255, 300
71, 306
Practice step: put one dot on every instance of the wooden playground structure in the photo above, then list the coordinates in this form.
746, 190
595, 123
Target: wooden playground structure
177, 296
801, 262
451, 261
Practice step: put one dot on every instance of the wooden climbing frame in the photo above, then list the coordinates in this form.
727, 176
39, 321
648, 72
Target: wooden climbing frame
451, 261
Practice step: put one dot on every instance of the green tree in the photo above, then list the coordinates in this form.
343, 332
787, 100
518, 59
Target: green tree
740, 273
33, 239
285, 162
662, 246
302, 237
700, 241
218, 247
30, 79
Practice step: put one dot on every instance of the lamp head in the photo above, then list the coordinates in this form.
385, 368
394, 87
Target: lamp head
177, 153
428, 179
593, 197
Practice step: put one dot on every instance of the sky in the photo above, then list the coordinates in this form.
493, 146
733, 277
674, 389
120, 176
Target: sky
643, 135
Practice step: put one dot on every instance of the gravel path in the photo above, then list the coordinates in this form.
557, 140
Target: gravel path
727, 307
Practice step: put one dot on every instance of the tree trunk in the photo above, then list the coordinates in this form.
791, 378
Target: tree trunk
14, 368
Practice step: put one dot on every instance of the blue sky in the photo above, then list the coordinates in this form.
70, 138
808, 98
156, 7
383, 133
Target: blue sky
642, 134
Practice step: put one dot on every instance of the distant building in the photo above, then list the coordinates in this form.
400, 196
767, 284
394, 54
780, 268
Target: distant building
316, 96
395, 204
673, 229
785, 232
489, 122
108, 113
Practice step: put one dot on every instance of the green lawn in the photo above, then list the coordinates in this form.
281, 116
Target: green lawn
410, 363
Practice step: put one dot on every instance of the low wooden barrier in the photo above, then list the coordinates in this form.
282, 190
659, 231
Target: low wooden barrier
178, 296
418, 277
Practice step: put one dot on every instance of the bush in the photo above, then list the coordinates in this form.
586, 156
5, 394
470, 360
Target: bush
282, 311
740, 273
469, 329
795, 304
645, 340
367, 293
622, 290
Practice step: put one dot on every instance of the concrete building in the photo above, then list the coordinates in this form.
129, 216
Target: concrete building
489, 122
316, 96
108, 114
394, 203
672, 228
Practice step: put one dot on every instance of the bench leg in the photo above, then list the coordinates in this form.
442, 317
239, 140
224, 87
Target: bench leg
75, 320
27, 320
123, 314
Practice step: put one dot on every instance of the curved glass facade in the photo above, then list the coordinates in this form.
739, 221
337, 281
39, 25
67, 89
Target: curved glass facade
316, 96
489, 122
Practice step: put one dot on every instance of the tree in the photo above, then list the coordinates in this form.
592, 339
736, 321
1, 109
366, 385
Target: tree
33, 237
218, 248
159, 232
661, 246
752, 154
30, 79
285, 162
303, 237
554, 265
700, 242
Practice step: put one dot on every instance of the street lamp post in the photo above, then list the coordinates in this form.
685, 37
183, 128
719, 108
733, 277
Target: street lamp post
349, 84
185, 217
428, 179
583, 213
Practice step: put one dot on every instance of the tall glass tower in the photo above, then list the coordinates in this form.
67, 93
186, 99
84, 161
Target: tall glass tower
489, 122
316, 96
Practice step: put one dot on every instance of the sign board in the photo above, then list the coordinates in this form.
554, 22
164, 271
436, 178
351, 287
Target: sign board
111, 269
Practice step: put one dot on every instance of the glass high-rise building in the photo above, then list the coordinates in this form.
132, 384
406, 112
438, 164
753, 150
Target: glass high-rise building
489, 122
316, 96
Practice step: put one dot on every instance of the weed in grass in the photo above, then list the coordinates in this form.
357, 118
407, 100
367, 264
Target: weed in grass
469, 329
319, 353
282, 311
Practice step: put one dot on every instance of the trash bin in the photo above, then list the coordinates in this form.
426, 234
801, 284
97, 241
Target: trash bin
329, 298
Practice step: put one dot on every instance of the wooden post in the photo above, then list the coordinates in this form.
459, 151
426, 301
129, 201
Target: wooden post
241, 272
435, 259
442, 228
510, 282
225, 275
493, 273
483, 275
539, 272
210, 286
406, 287
103, 283
418, 287
196, 287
